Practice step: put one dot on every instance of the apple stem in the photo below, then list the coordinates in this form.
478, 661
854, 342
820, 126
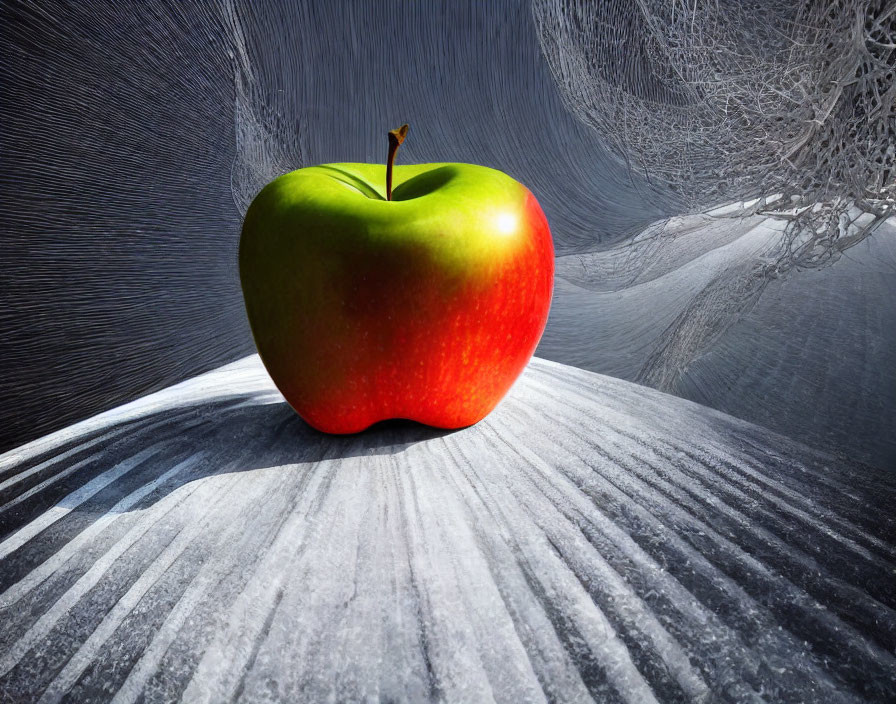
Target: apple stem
396, 137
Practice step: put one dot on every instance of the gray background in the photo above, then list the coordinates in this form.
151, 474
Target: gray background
132, 135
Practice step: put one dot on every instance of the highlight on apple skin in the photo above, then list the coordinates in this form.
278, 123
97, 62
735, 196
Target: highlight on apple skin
427, 306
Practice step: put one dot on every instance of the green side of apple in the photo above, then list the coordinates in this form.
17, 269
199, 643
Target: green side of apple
447, 207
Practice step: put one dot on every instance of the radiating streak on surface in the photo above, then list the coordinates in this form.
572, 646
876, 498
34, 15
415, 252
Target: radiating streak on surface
73, 500
591, 539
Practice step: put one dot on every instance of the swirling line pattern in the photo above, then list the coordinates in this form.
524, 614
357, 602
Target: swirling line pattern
592, 540
684, 307
134, 135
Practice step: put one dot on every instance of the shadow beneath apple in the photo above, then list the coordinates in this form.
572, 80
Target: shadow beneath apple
142, 461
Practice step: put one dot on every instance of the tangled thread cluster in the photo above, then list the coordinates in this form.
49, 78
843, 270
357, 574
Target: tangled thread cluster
791, 105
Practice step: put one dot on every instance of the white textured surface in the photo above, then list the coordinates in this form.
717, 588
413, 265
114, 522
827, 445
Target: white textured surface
591, 539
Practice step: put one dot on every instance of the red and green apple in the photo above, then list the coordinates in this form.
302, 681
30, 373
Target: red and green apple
423, 303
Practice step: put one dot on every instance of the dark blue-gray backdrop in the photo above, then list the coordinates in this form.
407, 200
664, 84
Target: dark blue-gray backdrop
132, 135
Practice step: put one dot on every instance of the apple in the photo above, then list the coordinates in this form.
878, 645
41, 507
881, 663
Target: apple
424, 303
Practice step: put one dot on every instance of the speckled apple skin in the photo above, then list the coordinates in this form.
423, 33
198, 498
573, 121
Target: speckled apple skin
426, 307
